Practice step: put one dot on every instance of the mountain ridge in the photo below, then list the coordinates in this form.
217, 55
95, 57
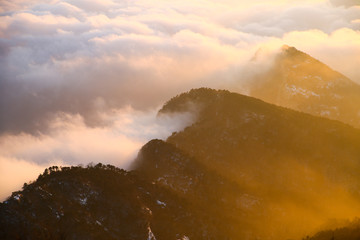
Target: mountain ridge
269, 149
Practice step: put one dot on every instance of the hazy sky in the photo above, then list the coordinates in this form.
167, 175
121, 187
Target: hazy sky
81, 81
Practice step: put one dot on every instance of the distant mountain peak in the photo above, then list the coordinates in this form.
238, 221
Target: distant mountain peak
285, 47
301, 82
288, 52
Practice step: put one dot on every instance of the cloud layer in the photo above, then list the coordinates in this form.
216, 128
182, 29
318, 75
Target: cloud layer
72, 71
70, 141
62, 55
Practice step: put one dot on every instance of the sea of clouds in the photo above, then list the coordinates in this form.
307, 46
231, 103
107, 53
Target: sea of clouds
82, 81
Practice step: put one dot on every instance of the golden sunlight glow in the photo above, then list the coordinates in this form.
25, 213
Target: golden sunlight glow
82, 82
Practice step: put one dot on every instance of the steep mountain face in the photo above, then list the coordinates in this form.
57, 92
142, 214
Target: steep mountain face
229, 211
303, 83
301, 169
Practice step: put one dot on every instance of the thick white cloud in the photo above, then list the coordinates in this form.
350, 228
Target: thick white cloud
70, 142
276, 21
86, 60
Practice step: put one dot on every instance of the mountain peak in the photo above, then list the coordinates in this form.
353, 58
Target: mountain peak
290, 51
284, 47
287, 48
297, 80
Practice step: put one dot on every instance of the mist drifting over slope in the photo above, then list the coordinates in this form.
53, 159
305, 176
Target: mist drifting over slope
69, 141
81, 81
